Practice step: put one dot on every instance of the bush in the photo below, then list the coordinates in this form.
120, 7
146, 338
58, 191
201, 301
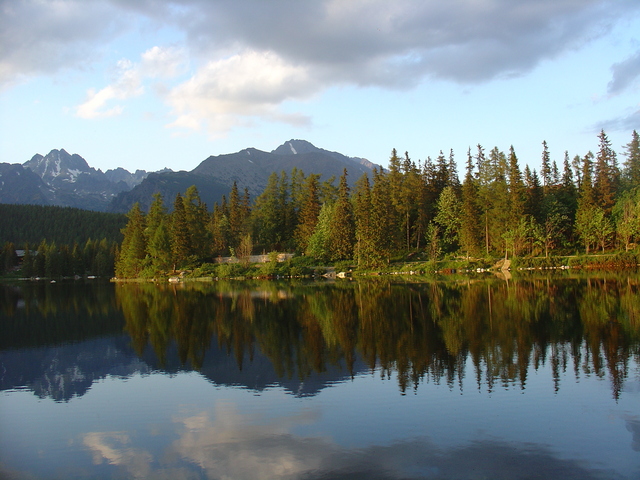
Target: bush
343, 265
537, 262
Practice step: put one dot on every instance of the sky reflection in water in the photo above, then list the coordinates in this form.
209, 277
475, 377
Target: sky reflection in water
467, 416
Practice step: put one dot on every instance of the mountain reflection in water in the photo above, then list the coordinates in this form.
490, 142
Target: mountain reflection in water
537, 377
304, 335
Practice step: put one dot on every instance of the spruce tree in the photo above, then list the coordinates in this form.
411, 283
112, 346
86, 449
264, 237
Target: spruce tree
448, 218
318, 246
470, 214
236, 215
130, 261
517, 189
535, 195
364, 248
382, 242
632, 163
606, 175
545, 170
341, 226
181, 249
197, 219
309, 211
269, 215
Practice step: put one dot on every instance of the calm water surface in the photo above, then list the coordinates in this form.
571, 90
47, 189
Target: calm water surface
531, 378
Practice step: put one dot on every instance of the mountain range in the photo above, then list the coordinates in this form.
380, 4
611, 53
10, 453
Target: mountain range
63, 179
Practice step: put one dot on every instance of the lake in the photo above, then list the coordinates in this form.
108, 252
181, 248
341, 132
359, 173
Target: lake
537, 377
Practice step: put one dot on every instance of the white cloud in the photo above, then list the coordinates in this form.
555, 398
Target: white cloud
226, 92
250, 57
129, 82
163, 62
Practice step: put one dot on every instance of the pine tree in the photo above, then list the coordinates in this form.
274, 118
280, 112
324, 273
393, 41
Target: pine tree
220, 229
197, 218
606, 174
448, 218
318, 246
159, 247
157, 213
632, 164
586, 194
237, 216
341, 226
380, 221
130, 261
545, 170
364, 250
470, 235
309, 211
395, 211
157, 235
181, 249
535, 196
269, 214
517, 189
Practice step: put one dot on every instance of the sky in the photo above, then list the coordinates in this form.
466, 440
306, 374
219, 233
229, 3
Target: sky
151, 84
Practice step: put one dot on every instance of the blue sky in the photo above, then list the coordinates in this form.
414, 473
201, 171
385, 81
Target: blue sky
154, 84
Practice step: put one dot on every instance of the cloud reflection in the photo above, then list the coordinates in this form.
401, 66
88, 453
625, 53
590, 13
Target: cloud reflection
228, 444
236, 446
113, 447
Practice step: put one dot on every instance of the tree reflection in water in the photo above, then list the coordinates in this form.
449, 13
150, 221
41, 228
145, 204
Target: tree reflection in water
424, 332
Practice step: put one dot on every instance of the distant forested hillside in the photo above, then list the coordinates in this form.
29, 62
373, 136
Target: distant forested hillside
31, 224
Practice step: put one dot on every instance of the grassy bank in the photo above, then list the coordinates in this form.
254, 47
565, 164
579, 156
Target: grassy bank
306, 267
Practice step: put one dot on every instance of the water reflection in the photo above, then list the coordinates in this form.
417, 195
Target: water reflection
226, 443
422, 332
417, 332
145, 379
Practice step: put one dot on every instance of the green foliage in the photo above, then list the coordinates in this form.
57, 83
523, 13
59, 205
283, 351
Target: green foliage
130, 261
64, 225
538, 262
408, 212
319, 240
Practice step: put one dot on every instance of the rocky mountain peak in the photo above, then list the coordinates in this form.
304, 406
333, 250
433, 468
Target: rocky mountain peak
295, 147
58, 165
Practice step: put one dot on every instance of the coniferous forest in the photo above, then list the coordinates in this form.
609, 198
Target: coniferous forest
59, 241
585, 204
410, 211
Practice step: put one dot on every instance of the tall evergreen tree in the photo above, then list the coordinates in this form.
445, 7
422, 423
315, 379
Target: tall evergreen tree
133, 250
632, 163
364, 251
448, 218
545, 170
197, 218
606, 174
181, 248
383, 243
309, 211
341, 226
395, 212
318, 246
517, 189
237, 217
586, 194
535, 195
269, 215
470, 235
220, 229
